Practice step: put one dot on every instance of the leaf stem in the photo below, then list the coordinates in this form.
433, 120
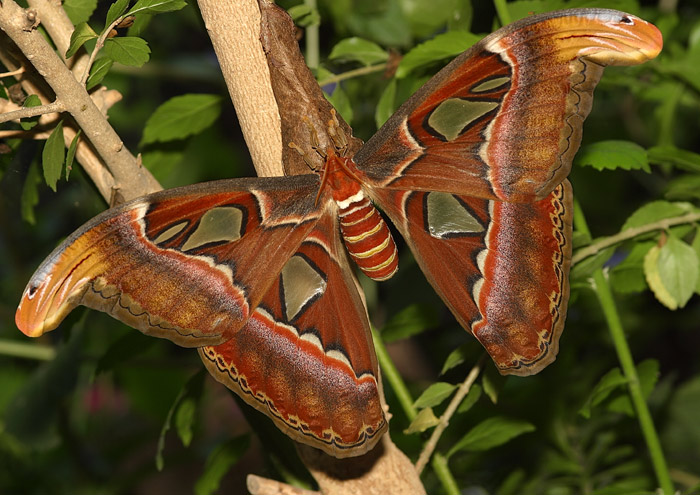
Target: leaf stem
393, 377
603, 291
627, 234
462, 392
26, 350
502, 11
361, 71
312, 39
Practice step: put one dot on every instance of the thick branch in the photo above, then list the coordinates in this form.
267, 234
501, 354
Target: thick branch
131, 180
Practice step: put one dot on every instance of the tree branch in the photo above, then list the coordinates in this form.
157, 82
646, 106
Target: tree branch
27, 112
130, 179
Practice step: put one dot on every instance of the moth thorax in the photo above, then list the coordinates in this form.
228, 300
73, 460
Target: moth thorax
367, 237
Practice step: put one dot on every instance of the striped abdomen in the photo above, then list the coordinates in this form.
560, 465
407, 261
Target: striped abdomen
367, 237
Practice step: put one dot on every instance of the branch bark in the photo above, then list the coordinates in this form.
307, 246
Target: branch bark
234, 28
130, 179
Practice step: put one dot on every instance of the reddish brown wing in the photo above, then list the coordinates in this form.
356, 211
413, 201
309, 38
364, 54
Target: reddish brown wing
502, 268
188, 264
306, 358
503, 120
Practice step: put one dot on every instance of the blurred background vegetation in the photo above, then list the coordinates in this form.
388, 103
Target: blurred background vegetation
96, 407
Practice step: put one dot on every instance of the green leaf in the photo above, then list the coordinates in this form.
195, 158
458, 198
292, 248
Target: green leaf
611, 155
411, 320
30, 101
30, 194
303, 15
220, 460
493, 382
181, 116
491, 433
434, 395
455, 358
358, 50
156, 6
116, 10
648, 374
678, 270
612, 380
685, 187
442, 46
655, 211
696, 247
585, 268
423, 421
651, 273
98, 71
128, 50
385, 105
81, 34
472, 397
183, 410
79, 10
339, 99
71, 152
54, 156
670, 155
628, 276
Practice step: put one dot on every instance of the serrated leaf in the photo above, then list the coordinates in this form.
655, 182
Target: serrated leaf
30, 101
651, 273
358, 50
655, 211
82, 33
648, 374
472, 397
612, 380
79, 10
220, 460
434, 395
54, 156
385, 105
423, 421
612, 154
156, 6
116, 10
678, 269
30, 194
71, 152
98, 71
411, 320
491, 433
442, 46
128, 50
670, 155
181, 116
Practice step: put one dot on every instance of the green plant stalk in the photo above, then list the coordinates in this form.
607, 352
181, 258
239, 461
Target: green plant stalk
502, 11
26, 350
442, 471
393, 377
612, 317
312, 40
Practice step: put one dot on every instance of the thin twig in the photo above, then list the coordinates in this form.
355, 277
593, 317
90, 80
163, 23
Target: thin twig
12, 73
27, 112
462, 392
352, 73
627, 234
98, 46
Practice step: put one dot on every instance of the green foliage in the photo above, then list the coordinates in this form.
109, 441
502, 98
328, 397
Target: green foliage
100, 417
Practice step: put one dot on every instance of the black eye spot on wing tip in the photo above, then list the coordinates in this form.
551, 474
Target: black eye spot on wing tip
32, 290
625, 19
